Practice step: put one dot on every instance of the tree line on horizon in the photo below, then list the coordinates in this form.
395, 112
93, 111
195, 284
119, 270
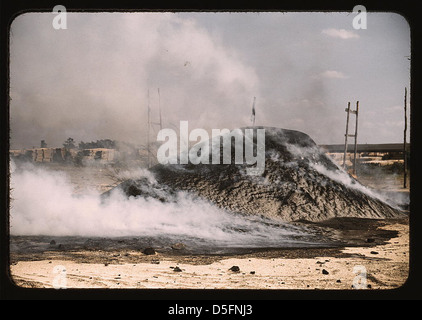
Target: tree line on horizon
103, 143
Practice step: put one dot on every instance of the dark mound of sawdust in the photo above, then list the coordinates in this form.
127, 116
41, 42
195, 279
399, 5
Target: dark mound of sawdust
299, 183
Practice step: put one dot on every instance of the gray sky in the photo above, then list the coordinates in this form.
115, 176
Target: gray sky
90, 81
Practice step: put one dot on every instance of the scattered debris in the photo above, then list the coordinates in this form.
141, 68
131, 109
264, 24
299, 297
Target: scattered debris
178, 246
235, 269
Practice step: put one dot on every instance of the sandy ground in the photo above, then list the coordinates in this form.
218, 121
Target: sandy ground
376, 267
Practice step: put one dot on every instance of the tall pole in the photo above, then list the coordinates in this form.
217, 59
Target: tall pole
253, 112
356, 138
159, 108
345, 136
149, 127
404, 139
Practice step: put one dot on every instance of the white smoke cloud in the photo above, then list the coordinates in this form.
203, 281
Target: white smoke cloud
345, 179
44, 203
91, 80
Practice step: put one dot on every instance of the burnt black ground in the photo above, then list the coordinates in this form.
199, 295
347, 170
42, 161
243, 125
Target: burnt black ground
337, 233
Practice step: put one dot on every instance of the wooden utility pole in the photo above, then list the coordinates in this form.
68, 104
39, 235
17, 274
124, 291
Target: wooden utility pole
356, 112
356, 138
160, 123
345, 136
159, 108
151, 123
253, 112
149, 128
404, 140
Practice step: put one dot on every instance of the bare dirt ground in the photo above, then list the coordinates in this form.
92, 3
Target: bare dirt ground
383, 266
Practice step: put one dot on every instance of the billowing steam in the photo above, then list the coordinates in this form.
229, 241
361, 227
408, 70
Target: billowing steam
44, 203
344, 178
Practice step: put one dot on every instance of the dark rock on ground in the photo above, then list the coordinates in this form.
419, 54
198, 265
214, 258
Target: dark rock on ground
235, 269
148, 251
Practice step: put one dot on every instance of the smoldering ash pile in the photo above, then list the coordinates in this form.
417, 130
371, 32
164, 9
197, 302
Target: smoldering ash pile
299, 182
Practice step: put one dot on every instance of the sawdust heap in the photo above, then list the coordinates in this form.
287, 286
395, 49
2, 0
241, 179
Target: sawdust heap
299, 183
